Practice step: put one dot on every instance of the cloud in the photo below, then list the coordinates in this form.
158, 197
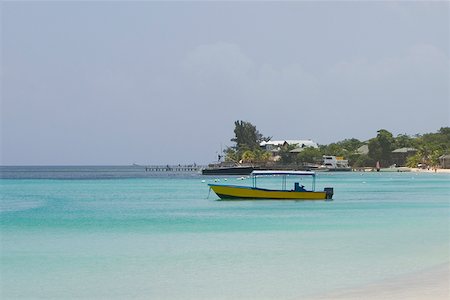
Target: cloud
224, 69
391, 92
219, 64
422, 70
395, 87
224, 66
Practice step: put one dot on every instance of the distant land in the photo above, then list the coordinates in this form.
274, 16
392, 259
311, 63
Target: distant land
421, 150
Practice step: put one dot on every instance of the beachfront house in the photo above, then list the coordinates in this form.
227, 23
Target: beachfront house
275, 146
444, 161
399, 156
363, 150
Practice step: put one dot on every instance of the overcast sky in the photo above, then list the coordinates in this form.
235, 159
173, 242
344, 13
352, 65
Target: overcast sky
155, 83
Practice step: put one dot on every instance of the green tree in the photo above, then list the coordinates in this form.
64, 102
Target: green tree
248, 156
350, 145
430, 146
231, 155
427, 155
363, 160
256, 156
404, 141
413, 161
309, 155
439, 140
286, 156
380, 147
445, 133
334, 149
262, 156
247, 137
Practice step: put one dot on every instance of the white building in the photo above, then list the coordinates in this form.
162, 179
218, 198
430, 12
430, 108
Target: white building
276, 145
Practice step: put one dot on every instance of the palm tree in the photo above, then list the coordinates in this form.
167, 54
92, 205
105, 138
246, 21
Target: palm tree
248, 156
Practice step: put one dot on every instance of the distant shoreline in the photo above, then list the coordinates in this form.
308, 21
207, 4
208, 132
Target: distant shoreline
200, 166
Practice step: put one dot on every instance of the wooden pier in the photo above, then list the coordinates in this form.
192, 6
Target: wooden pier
173, 168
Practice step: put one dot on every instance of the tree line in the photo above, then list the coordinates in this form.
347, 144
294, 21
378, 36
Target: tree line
427, 148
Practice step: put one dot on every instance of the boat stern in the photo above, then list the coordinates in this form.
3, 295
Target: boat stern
329, 192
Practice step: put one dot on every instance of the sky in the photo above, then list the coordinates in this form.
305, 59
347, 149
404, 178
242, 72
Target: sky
116, 83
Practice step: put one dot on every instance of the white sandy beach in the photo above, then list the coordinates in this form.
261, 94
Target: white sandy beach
430, 170
428, 284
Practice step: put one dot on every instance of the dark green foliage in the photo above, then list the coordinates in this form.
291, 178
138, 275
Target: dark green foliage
362, 160
350, 145
231, 155
333, 149
310, 155
247, 137
430, 146
286, 156
439, 140
380, 147
404, 141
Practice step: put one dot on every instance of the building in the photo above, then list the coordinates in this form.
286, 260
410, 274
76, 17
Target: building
276, 145
444, 161
363, 150
399, 156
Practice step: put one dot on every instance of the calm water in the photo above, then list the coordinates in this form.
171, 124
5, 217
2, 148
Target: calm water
119, 232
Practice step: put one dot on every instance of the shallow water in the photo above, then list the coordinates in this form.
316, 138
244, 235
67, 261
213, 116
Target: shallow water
103, 232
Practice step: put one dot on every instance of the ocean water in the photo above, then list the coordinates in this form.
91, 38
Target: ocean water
120, 232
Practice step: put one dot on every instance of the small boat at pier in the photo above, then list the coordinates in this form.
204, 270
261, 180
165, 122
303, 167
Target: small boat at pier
298, 192
236, 170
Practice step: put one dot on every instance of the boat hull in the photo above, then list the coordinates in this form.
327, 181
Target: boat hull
243, 192
228, 171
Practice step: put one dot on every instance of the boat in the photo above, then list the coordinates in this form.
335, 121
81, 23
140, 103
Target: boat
298, 192
394, 168
219, 170
335, 164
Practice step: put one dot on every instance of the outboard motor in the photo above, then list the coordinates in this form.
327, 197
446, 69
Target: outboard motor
329, 192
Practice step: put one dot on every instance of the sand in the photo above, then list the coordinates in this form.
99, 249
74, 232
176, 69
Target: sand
429, 284
430, 170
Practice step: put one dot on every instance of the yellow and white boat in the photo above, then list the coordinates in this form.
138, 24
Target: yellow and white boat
235, 192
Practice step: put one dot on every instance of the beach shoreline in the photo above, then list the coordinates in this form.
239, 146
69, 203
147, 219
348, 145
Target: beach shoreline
431, 170
413, 170
430, 283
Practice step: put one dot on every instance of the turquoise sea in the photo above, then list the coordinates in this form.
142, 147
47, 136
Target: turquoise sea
120, 232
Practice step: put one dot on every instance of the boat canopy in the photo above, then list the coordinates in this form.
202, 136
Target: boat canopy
284, 175
275, 172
